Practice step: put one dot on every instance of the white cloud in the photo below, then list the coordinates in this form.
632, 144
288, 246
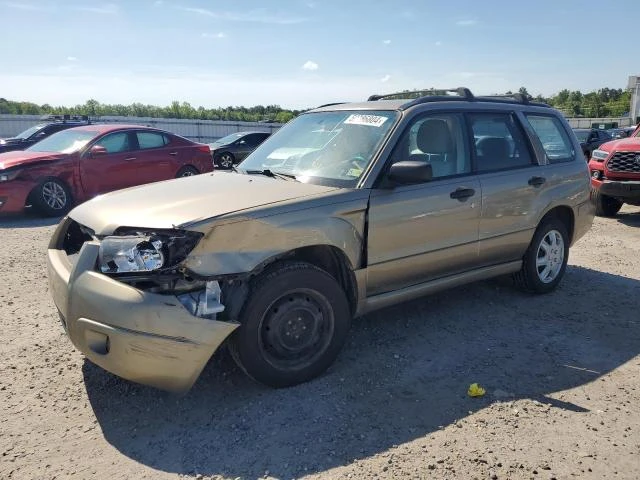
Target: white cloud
23, 6
466, 23
72, 59
438, 43
309, 65
214, 35
386, 42
104, 9
385, 79
259, 15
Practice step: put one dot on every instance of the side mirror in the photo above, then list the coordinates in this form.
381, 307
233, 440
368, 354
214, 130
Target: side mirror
410, 171
97, 151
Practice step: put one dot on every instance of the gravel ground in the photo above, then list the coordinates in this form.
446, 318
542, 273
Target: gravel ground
561, 373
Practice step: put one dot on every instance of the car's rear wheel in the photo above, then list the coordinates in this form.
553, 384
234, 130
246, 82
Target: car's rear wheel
52, 197
293, 325
605, 206
226, 160
187, 171
545, 261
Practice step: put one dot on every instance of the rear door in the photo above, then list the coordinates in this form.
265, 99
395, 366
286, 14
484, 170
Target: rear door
113, 171
421, 232
513, 185
155, 159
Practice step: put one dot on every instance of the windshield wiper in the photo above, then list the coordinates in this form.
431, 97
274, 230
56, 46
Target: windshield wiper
269, 173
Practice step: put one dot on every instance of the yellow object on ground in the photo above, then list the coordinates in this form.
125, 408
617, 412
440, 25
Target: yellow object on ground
476, 390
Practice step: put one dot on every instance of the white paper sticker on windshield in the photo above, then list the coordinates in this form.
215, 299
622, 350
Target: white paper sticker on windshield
362, 119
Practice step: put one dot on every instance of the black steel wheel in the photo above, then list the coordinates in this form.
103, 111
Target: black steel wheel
293, 325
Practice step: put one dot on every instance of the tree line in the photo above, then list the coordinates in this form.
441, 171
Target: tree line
93, 108
605, 102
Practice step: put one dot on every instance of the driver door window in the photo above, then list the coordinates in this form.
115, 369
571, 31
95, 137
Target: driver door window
115, 142
439, 141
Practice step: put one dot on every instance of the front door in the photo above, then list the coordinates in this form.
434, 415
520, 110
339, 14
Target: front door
425, 231
112, 171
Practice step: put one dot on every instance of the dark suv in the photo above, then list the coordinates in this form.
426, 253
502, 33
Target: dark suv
590, 139
30, 136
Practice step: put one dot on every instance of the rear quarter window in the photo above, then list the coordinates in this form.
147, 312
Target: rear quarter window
553, 137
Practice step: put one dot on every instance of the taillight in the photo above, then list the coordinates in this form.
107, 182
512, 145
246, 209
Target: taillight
204, 149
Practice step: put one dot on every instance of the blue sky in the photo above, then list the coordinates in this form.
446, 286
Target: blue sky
300, 53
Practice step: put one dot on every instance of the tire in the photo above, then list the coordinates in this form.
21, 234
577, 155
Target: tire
52, 197
545, 262
290, 301
226, 160
187, 171
605, 206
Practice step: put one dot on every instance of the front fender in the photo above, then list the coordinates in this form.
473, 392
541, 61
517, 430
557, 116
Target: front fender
242, 246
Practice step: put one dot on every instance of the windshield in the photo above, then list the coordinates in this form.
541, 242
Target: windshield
327, 148
28, 132
66, 141
228, 139
582, 135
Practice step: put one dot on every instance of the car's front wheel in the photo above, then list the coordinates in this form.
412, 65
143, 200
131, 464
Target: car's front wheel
52, 197
293, 325
545, 261
605, 206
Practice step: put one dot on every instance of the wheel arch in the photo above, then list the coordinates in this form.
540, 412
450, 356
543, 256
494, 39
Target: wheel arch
564, 214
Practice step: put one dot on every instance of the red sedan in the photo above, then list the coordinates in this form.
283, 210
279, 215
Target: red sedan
74, 165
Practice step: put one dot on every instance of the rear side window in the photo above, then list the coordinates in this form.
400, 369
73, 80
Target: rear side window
150, 140
553, 136
499, 142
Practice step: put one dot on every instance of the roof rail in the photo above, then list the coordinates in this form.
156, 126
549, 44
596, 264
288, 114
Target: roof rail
330, 104
461, 94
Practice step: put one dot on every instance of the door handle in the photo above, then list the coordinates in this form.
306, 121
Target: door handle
537, 181
462, 193
173, 154
128, 159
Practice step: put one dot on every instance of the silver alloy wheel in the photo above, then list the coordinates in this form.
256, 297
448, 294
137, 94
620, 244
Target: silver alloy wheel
54, 195
550, 256
226, 161
188, 173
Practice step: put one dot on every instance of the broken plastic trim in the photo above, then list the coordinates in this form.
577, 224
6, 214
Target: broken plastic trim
205, 303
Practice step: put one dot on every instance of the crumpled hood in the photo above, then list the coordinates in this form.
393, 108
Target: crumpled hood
20, 158
177, 202
629, 144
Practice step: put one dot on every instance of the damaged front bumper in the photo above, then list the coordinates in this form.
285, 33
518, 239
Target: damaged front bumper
144, 337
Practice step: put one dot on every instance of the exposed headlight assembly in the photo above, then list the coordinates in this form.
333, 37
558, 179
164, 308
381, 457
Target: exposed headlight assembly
599, 155
136, 252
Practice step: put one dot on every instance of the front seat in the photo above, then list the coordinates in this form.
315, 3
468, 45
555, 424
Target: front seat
434, 139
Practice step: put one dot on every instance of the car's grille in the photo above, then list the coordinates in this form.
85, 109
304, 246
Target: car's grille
627, 162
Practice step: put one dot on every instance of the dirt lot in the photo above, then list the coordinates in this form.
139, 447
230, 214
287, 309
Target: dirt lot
561, 373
